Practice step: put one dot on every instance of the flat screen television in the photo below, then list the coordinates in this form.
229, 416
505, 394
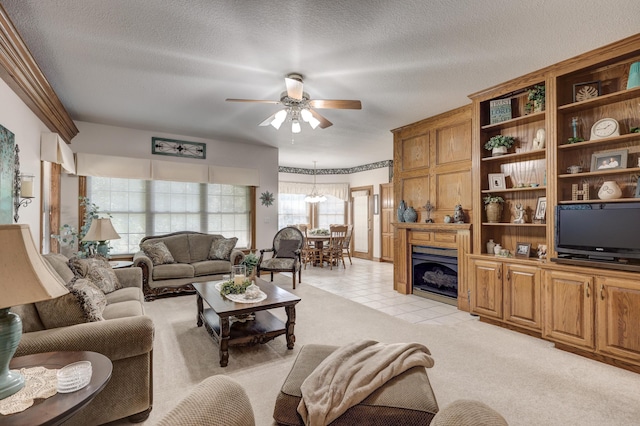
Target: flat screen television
598, 231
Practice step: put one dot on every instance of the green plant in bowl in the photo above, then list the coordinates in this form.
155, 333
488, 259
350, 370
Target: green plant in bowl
488, 199
498, 141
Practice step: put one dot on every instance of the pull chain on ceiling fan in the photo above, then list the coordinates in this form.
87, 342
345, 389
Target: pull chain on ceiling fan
298, 106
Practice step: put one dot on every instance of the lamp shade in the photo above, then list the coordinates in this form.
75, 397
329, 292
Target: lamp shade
101, 230
26, 276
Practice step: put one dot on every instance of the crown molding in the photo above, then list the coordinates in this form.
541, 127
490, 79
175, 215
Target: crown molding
21, 72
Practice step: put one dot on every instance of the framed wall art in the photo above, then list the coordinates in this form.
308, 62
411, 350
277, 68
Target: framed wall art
607, 160
586, 90
497, 181
7, 174
176, 148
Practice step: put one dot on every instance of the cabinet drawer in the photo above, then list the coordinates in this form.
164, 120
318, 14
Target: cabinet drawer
418, 238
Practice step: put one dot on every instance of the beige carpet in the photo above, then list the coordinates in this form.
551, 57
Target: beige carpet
526, 379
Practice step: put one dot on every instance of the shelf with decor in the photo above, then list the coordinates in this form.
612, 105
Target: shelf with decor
506, 190
598, 101
599, 173
600, 142
617, 200
525, 119
525, 225
517, 156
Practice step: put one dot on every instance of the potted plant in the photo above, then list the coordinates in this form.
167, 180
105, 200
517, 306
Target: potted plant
69, 236
536, 97
499, 144
250, 261
493, 206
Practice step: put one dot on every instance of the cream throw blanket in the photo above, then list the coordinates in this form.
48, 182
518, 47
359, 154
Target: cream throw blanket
351, 373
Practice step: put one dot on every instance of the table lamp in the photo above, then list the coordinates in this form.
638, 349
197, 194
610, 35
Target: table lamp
101, 230
26, 278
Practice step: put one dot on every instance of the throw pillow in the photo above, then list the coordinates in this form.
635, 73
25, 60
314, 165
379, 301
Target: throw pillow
91, 298
62, 311
287, 248
221, 248
158, 253
98, 271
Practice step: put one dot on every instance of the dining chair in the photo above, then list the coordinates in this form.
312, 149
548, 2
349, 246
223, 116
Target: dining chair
286, 254
347, 242
310, 253
334, 250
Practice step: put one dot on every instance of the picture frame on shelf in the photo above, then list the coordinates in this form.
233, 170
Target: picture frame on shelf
523, 249
497, 181
609, 160
541, 209
586, 90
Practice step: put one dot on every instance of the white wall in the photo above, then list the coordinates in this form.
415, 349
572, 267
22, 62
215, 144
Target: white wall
27, 127
370, 177
119, 141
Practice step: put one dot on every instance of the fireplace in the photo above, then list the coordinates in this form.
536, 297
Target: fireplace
435, 273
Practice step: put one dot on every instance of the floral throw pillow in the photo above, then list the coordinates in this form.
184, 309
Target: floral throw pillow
158, 253
91, 298
221, 248
98, 271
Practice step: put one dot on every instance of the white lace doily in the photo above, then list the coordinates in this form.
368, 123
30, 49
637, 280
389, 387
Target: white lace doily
242, 298
40, 382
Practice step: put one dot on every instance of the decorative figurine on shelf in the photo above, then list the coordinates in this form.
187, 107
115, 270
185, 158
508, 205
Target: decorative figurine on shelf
428, 207
458, 214
519, 214
538, 141
574, 128
542, 251
410, 215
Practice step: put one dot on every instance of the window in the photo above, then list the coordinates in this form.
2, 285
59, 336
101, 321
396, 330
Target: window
330, 212
292, 210
141, 207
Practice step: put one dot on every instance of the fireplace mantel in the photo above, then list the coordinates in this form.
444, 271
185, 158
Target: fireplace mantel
449, 235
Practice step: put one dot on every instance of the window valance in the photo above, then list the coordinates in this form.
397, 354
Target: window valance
55, 150
338, 190
140, 168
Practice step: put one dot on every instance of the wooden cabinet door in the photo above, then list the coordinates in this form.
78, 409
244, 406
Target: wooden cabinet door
569, 308
486, 288
618, 317
522, 295
387, 215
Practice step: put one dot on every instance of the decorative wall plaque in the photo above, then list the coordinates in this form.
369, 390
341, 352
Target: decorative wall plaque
176, 148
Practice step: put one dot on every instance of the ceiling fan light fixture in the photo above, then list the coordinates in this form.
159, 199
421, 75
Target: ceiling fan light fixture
295, 126
306, 115
314, 122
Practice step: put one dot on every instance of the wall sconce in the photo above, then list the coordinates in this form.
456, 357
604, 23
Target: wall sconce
22, 187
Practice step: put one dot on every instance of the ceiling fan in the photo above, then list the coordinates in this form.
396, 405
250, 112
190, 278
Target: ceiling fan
298, 106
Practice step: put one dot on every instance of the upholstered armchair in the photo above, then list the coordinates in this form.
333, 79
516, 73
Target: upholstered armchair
285, 254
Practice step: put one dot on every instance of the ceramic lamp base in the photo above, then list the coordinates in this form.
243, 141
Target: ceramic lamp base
10, 333
103, 248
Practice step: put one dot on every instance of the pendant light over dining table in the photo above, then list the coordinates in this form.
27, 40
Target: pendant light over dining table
315, 196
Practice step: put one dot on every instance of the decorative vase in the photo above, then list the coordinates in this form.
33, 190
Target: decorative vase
497, 249
538, 106
448, 219
490, 246
498, 150
401, 208
609, 191
494, 212
410, 215
634, 76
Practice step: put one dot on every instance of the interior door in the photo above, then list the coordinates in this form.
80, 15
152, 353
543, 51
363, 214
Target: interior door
362, 219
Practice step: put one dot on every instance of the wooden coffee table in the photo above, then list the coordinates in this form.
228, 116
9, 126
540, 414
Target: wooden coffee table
61, 406
263, 328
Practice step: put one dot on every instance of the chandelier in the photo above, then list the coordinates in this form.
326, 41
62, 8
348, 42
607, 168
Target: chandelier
315, 196
295, 111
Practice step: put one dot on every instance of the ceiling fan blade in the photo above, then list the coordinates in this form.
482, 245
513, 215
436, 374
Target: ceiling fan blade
268, 120
324, 123
252, 100
335, 104
294, 88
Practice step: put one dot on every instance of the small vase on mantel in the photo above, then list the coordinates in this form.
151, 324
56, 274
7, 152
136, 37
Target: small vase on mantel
497, 249
401, 208
410, 215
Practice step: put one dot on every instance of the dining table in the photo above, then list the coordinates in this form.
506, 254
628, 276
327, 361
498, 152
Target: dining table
318, 243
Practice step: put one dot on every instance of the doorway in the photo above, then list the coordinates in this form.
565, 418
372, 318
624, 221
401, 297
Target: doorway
362, 219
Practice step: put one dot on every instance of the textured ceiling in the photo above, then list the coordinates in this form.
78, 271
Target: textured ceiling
168, 65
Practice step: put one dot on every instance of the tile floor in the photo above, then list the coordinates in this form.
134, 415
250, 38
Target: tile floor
371, 284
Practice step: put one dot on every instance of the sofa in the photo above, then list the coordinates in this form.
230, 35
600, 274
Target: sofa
124, 335
192, 258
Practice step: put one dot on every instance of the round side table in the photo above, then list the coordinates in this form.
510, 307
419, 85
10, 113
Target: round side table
61, 406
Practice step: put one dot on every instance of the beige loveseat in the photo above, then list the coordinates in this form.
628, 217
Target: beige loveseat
192, 263
125, 336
